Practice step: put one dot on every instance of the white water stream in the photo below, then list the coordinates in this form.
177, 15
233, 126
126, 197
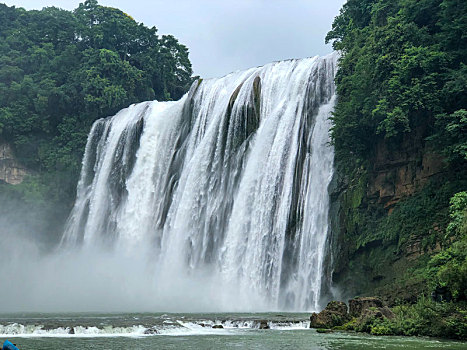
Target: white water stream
224, 191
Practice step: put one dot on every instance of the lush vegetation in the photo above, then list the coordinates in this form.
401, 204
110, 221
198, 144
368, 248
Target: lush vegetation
448, 268
62, 70
426, 317
402, 87
403, 67
445, 271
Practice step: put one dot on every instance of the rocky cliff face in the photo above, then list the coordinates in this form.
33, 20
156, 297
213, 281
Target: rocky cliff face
398, 173
363, 260
11, 171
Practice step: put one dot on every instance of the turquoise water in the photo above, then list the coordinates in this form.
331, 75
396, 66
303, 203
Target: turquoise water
267, 339
191, 331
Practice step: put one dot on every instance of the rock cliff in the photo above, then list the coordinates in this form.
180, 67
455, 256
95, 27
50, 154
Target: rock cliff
398, 172
367, 255
11, 171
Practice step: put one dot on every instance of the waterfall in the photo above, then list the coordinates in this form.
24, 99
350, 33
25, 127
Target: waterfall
226, 188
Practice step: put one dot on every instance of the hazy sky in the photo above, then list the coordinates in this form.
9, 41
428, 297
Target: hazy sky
228, 35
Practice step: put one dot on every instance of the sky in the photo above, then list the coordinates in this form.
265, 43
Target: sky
229, 35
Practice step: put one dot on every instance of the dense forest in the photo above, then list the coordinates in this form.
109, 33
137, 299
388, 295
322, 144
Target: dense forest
403, 64
59, 72
400, 135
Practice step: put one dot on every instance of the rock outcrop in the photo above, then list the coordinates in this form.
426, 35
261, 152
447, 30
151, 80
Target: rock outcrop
11, 171
358, 305
380, 312
335, 314
399, 173
361, 310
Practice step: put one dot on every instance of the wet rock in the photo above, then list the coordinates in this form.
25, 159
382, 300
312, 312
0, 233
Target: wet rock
335, 314
257, 93
263, 324
218, 326
358, 305
71, 330
151, 331
233, 98
326, 319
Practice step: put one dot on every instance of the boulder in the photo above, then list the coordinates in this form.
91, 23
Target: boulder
151, 331
218, 326
335, 314
362, 312
263, 324
369, 316
326, 319
358, 305
337, 306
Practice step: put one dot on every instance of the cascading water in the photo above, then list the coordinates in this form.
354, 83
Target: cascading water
226, 188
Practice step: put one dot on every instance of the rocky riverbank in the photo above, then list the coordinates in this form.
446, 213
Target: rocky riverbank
371, 315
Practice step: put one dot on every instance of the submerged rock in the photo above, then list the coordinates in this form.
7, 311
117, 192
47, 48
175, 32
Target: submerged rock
218, 326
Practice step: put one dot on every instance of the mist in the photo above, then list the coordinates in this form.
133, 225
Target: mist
105, 280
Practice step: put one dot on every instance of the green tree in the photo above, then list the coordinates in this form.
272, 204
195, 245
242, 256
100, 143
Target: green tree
62, 70
402, 66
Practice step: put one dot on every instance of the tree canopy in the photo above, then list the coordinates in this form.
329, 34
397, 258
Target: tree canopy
403, 66
61, 70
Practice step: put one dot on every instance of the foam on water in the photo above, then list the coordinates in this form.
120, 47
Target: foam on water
176, 328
